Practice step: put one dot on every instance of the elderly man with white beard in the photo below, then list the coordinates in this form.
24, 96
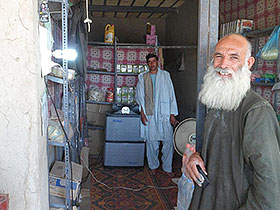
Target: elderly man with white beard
240, 152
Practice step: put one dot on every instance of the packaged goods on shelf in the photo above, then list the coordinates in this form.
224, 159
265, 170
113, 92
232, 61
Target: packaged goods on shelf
151, 39
241, 26
110, 95
135, 69
269, 52
96, 94
130, 97
119, 95
123, 68
129, 68
118, 68
150, 29
124, 95
55, 132
265, 78
57, 71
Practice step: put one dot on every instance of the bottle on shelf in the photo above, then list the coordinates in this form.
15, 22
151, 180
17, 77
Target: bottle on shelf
110, 95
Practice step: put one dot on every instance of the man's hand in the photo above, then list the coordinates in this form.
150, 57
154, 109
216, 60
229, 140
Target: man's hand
173, 120
193, 174
143, 117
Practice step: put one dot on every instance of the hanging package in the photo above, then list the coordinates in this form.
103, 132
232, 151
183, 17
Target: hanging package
109, 33
270, 50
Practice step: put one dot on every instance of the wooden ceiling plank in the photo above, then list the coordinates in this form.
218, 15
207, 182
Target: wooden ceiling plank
97, 2
121, 14
132, 14
144, 15
126, 2
140, 3
167, 3
96, 14
178, 4
112, 2
156, 15
164, 15
153, 3
109, 14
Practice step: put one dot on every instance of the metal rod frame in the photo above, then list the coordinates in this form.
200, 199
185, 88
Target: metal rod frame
208, 14
64, 8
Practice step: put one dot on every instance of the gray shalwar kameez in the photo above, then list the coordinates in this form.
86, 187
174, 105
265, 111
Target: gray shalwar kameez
241, 155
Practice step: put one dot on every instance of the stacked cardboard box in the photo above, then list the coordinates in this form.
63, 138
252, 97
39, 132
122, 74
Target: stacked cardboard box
96, 115
57, 179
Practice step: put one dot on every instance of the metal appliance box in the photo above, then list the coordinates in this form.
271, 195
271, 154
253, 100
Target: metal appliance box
124, 154
123, 144
121, 127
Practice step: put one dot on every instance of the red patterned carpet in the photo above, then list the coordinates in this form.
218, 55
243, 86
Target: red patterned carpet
103, 198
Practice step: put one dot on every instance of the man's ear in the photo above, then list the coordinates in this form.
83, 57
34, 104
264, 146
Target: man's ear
251, 61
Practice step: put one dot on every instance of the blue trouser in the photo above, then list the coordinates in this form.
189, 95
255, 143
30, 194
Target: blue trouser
152, 148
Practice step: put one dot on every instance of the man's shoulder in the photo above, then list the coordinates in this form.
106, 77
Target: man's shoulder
165, 73
253, 100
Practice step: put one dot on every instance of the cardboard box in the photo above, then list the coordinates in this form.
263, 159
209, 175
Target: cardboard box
96, 118
84, 160
151, 39
99, 108
96, 113
96, 141
57, 179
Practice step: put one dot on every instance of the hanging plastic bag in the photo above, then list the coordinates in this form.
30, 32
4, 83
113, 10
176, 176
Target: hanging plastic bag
270, 50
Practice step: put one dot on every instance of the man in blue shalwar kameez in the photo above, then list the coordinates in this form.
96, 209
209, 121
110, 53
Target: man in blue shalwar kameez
157, 102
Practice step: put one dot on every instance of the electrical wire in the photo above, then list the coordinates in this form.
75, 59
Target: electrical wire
83, 162
122, 187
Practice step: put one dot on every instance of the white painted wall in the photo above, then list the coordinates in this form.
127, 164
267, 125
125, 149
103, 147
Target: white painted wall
23, 163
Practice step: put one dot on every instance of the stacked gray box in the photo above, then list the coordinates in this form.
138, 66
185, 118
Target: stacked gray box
123, 144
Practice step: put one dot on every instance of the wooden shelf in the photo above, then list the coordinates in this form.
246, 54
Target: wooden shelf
98, 102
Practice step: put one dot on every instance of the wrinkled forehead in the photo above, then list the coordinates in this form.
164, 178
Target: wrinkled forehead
232, 45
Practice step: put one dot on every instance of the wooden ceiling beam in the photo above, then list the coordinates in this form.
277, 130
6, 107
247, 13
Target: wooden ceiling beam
99, 8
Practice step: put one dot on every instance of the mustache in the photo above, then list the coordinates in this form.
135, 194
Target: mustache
224, 71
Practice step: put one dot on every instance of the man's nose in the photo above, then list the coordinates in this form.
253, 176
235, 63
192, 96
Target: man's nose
224, 63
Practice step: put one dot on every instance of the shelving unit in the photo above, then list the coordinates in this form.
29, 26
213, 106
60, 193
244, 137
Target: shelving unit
256, 35
116, 46
74, 144
113, 60
73, 105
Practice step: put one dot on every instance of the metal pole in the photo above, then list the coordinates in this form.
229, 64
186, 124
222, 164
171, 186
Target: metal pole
208, 15
65, 105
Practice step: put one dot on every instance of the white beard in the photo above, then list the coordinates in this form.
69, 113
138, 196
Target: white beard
225, 93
